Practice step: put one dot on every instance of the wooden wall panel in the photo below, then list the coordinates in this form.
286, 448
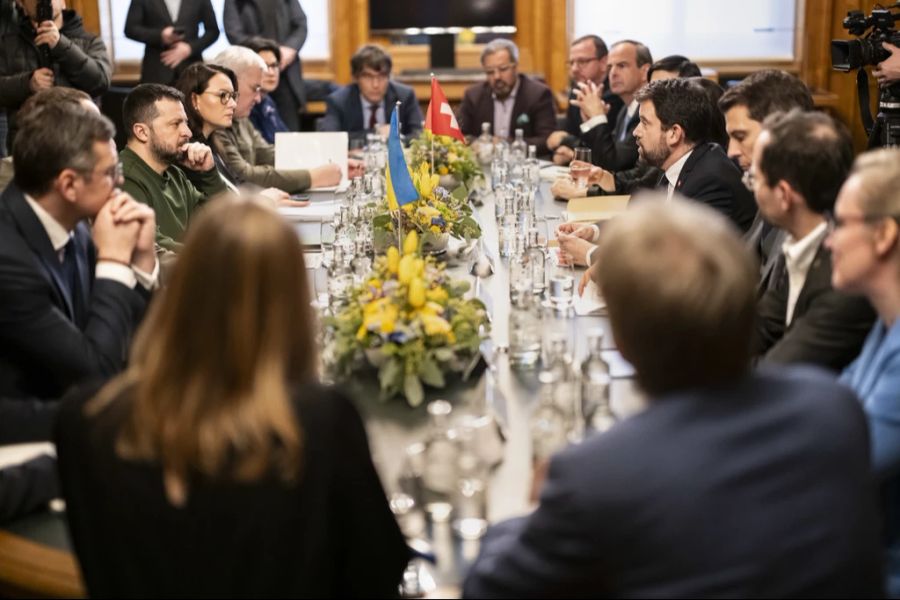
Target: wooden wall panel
89, 11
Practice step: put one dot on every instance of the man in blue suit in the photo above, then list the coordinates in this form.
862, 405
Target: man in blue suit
731, 483
365, 105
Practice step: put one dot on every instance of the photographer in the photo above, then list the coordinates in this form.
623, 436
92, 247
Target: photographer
54, 52
888, 70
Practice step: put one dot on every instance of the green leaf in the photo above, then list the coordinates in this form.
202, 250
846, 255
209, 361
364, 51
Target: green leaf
412, 389
431, 373
444, 354
390, 374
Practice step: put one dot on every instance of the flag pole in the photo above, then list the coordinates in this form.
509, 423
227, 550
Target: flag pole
431, 101
399, 216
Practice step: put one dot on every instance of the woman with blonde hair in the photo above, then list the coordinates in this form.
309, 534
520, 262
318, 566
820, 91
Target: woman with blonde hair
216, 465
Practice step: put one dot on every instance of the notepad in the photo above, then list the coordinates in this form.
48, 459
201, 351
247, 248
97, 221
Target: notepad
305, 150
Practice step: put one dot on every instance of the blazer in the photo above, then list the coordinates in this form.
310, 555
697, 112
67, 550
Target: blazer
147, 18
27, 487
828, 327
330, 534
573, 118
344, 110
244, 19
760, 488
46, 343
533, 111
607, 151
709, 176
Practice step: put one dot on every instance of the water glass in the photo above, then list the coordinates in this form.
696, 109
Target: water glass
580, 167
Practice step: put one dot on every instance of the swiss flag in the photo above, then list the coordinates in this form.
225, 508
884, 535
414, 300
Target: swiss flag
444, 122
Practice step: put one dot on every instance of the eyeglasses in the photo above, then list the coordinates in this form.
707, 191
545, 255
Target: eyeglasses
369, 76
115, 173
499, 70
581, 62
834, 222
225, 96
272, 66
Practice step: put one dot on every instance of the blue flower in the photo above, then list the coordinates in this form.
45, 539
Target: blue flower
439, 221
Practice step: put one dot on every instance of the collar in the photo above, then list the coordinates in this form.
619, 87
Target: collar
58, 235
512, 94
799, 254
632, 108
674, 172
129, 155
366, 104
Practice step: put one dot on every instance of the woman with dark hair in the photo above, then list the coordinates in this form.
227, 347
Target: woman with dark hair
216, 465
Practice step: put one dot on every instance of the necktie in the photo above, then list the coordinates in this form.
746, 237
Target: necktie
373, 110
622, 125
70, 276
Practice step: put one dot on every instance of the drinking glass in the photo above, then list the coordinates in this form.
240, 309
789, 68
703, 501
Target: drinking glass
580, 167
327, 236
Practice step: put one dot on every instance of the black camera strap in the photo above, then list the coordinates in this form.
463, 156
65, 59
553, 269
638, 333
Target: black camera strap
865, 106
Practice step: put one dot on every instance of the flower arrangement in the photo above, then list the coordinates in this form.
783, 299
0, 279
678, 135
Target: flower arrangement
451, 157
410, 321
436, 215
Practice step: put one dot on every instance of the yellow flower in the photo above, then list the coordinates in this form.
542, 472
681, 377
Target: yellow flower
435, 229
437, 294
442, 170
406, 269
452, 157
419, 267
435, 325
424, 181
411, 244
393, 259
417, 293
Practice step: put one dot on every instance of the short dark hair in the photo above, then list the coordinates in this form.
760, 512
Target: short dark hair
643, 52
600, 49
258, 44
809, 150
372, 56
716, 131
766, 92
140, 104
195, 80
680, 102
54, 95
54, 137
680, 65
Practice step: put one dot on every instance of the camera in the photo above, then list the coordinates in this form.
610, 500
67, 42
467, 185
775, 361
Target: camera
44, 11
846, 55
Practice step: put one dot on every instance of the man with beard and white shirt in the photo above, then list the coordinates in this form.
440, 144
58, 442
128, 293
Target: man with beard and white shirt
158, 142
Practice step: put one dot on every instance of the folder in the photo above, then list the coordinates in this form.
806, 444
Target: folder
596, 208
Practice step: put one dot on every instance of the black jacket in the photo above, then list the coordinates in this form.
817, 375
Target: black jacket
344, 110
147, 18
608, 152
79, 60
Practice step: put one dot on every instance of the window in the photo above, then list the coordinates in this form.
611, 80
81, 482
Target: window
702, 30
113, 13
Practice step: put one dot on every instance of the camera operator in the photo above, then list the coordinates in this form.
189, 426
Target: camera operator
54, 52
888, 70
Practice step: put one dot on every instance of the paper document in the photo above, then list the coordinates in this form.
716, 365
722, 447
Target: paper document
316, 211
590, 302
296, 150
596, 208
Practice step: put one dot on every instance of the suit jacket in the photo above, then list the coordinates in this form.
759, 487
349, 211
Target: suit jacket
573, 118
344, 110
709, 176
533, 111
328, 534
828, 327
46, 344
756, 489
243, 19
765, 241
27, 487
607, 151
147, 18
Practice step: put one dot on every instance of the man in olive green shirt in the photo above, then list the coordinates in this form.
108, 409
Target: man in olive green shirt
158, 141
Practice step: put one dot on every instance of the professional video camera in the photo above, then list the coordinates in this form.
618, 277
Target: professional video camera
847, 55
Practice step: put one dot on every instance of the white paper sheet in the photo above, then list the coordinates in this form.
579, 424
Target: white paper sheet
15, 454
305, 150
315, 212
590, 302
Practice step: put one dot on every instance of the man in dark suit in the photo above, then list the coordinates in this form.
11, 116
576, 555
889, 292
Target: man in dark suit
285, 22
365, 105
170, 29
70, 302
731, 483
800, 161
508, 100
613, 146
745, 107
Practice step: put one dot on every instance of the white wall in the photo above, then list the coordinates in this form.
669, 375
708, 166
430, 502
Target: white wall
113, 12
698, 29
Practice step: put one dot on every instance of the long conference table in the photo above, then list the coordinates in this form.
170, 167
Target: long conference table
35, 552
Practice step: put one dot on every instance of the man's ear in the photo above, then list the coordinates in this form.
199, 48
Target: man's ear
67, 184
786, 195
886, 237
141, 132
675, 135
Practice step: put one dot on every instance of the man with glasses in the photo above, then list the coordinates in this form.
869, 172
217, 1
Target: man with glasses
508, 100
365, 105
158, 142
73, 294
588, 63
800, 160
265, 116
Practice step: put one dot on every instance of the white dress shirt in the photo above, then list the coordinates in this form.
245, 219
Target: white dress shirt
601, 119
368, 107
174, 6
503, 112
674, 172
59, 237
798, 258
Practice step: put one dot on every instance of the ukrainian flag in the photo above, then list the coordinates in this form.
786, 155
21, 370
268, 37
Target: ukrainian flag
400, 188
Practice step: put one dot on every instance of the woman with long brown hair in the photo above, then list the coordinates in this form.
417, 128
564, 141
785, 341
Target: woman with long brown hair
216, 465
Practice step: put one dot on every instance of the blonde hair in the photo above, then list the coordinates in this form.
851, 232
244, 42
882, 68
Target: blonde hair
878, 174
679, 287
214, 364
